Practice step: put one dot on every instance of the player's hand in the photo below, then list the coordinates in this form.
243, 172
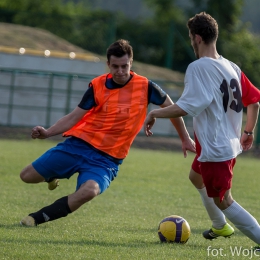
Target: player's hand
246, 141
148, 124
188, 145
39, 132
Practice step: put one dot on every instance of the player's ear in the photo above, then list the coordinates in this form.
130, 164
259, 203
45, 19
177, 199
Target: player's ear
198, 38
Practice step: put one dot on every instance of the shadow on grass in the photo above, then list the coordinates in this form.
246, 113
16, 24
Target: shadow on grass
16, 226
197, 231
200, 231
87, 242
82, 242
135, 243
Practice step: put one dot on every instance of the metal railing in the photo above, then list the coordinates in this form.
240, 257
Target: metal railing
30, 97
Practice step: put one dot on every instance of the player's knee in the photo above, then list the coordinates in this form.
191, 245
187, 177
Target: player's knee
224, 204
29, 175
191, 178
88, 191
87, 196
196, 180
24, 175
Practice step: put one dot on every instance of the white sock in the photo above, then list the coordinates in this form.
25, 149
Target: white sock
215, 214
244, 221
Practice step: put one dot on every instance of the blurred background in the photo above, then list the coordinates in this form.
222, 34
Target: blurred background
156, 28
77, 33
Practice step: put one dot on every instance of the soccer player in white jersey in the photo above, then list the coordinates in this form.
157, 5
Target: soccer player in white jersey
214, 95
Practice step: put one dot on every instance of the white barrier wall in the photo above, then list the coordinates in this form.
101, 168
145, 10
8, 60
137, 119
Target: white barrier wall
37, 90
93, 66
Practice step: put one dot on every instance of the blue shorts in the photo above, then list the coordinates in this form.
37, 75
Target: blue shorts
74, 155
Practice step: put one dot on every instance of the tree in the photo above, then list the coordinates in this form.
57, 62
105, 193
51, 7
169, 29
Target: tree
171, 23
235, 40
243, 49
226, 13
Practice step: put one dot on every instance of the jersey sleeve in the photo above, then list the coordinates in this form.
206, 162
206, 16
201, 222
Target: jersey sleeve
196, 96
88, 101
250, 94
155, 94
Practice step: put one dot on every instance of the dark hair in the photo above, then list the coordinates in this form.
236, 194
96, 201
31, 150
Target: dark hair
120, 48
204, 25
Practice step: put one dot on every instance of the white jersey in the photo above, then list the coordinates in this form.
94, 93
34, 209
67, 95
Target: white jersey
213, 97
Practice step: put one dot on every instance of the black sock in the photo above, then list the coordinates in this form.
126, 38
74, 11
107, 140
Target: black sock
60, 208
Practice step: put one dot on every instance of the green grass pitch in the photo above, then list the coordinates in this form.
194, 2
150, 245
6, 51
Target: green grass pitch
121, 223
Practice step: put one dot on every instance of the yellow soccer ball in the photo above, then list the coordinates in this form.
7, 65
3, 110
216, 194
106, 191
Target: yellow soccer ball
174, 229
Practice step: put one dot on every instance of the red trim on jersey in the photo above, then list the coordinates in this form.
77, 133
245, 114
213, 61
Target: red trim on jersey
250, 94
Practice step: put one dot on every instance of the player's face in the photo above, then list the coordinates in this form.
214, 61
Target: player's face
194, 45
120, 68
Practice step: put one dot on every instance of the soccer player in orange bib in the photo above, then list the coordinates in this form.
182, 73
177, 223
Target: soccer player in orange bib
100, 131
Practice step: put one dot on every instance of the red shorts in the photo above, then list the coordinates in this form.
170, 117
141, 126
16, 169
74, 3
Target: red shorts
217, 176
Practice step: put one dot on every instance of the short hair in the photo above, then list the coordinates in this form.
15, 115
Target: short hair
120, 48
204, 25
